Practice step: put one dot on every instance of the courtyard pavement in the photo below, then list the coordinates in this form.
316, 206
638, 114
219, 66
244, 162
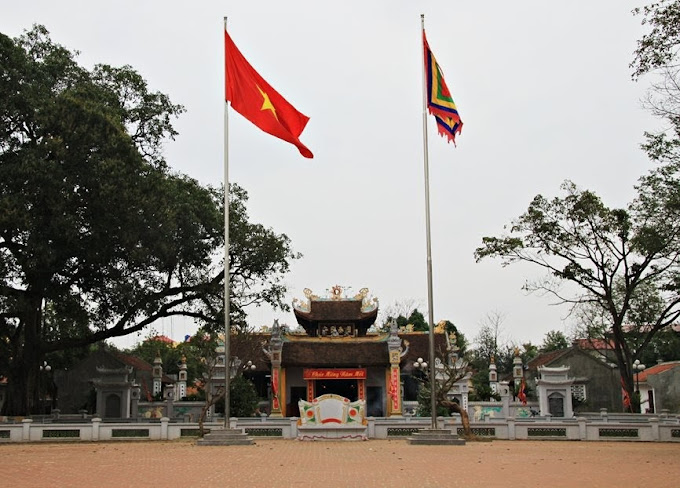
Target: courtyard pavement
373, 463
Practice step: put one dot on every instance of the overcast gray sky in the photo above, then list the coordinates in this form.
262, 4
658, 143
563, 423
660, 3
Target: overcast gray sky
543, 88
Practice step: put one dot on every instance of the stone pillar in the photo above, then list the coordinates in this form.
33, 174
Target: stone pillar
604, 415
493, 376
96, 423
654, 422
99, 410
511, 429
134, 401
505, 402
157, 374
164, 428
517, 372
278, 378
26, 429
293, 428
181, 390
170, 399
393, 380
583, 434
371, 427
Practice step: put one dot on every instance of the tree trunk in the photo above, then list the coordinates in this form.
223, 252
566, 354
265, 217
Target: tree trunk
24, 371
628, 385
464, 418
209, 402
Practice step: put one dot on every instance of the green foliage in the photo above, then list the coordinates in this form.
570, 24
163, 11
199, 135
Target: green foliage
172, 356
420, 324
98, 238
489, 346
424, 408
554, 340
481, 390
243, 397
665, 346
658, 48
259, 260
416, 318
622, 263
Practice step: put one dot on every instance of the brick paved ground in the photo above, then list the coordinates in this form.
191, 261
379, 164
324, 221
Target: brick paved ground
374, 463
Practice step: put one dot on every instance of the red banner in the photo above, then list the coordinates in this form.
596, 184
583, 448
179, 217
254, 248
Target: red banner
275, 389
334, 374
394, 389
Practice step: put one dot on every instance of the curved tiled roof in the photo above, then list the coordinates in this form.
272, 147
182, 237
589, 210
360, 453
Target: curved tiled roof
657, 368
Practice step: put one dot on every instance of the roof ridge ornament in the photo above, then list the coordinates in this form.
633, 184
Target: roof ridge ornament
336, 292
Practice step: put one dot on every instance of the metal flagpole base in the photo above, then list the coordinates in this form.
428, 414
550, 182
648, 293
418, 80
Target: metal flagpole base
435, 437
225, 437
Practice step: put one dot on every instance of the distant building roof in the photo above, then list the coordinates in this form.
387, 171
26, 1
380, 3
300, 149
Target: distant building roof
657, 368
133, 361
647, 328
593, 344
161, 338
546, 358
139, 364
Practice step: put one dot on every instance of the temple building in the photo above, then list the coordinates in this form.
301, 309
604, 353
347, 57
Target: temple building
336, 353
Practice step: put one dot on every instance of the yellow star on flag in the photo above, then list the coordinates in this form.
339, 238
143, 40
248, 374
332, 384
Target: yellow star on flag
266, 103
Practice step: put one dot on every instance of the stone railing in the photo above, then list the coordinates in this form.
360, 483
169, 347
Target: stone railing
648, 428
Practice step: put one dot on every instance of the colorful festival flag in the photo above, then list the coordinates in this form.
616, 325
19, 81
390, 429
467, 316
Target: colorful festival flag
439, 100
255, 99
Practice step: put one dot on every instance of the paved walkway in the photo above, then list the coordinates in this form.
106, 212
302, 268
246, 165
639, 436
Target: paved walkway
373, 463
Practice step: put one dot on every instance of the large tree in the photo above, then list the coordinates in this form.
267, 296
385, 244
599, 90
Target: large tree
658, 48
98, 238
608, 256
622, 263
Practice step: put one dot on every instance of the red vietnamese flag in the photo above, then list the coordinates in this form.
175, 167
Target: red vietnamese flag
255, 99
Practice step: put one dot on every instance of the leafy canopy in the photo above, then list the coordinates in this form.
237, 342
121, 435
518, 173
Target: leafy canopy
98, 237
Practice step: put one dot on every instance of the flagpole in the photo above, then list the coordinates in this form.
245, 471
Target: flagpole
430, 306
227, 327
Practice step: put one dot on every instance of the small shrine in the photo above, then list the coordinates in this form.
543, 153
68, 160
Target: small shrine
554, 391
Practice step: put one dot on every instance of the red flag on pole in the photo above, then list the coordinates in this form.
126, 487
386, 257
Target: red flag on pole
627, 405
255, 99
522, 395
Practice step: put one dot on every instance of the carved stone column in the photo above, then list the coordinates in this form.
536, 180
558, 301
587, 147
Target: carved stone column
394, 404
278, 373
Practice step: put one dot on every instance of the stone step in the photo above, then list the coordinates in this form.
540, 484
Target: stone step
225, 437
224, 442
435, 437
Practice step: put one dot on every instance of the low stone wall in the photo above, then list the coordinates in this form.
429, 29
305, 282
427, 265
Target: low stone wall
642, 428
